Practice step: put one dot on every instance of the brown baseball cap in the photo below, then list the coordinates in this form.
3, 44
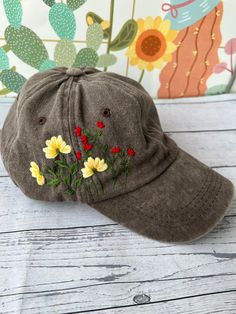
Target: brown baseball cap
95, 137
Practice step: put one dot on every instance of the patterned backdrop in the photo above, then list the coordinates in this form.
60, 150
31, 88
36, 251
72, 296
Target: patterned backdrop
175, 48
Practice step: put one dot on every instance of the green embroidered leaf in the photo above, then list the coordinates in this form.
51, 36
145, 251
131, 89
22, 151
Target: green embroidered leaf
50, 171
86, 57
65, 53
13, 10
62, 20
70, 192
216, 90
74, 168
66, 180
106, 60
125, 36
12, 80
86, 132
92, 18
61, 163
54, 182
94, 36
50, 3
26, 45
75, 4
4, 62
78, 182
48, 64
105, 148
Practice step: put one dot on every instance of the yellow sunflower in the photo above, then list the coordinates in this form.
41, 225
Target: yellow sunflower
153, 44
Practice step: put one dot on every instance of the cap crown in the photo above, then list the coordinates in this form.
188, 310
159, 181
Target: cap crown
111, 113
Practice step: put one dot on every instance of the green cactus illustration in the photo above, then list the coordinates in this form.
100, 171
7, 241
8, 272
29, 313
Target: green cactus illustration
26, 45
65, 53
12, 80
13, 10
4, 62
29, 47
86, 57
62, 20
75, 4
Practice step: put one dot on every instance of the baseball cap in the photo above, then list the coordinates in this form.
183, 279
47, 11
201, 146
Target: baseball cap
80, 134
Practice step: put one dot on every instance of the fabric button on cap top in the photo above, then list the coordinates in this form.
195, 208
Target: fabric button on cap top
74, 72
80, 71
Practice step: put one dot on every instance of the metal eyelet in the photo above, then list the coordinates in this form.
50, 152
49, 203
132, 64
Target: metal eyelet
42, 120
106, 113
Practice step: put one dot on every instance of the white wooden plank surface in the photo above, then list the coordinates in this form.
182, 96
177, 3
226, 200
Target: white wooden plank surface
68, 268
67, 258
223, 303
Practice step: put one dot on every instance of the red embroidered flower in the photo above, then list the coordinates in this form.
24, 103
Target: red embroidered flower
115, 149
100, 124
78, 155
84, 139
88, 146
77, 131
130, 152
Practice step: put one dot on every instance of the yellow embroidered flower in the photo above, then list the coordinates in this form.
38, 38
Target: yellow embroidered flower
35, 172
55, 146
91, 166
153, 45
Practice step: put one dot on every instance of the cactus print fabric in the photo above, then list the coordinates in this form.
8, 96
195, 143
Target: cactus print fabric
175, 48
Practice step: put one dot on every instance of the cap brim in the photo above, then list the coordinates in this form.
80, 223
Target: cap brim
181, 205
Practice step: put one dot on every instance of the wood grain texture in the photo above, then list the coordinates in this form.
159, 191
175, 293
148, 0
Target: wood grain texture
67, 258
223, 303
117, 265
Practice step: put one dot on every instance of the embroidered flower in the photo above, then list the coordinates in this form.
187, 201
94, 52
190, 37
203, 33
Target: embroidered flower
77, 131
100, 124
78, 155
55, 146
130, 152
115, 149
84, 139
91, 166
35, 172
88, 146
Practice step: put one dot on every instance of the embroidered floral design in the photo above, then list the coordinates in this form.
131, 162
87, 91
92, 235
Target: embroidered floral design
36, 173
92, 158
55, 146
100, 124
78, 131
91, 166
115, 149
130, 152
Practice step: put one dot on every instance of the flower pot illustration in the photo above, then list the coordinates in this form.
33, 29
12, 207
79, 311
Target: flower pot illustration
185, 13
194, 59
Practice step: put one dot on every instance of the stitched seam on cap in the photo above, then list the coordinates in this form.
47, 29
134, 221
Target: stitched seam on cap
212, 184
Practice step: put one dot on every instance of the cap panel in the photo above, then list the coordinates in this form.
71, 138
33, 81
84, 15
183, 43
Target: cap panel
49, 102
131, 124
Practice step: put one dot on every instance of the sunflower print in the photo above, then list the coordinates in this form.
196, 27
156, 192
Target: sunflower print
153, 45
